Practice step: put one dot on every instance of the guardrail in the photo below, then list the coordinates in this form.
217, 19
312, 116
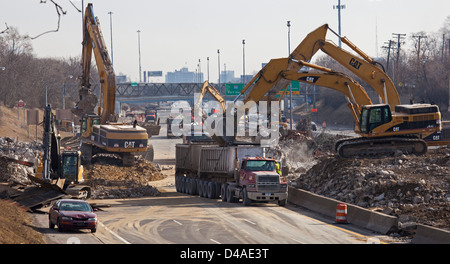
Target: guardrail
362, 217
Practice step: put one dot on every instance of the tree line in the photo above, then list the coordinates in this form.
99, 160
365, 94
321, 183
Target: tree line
23, 76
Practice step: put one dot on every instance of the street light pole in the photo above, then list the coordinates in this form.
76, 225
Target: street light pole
139, 49
110, 25
290, 86
218, 58
207, 66
339, 7
243, 60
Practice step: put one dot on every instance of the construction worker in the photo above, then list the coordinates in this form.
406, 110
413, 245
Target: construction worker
277, 166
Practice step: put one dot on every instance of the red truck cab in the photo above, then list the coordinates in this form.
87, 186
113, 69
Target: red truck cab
259, 180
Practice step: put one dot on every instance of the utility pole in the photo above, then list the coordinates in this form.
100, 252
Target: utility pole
339, 7
418, 45
389, 47
400, 38
419, 37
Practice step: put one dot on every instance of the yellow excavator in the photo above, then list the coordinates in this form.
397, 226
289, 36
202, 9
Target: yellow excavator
385, 128
100, 132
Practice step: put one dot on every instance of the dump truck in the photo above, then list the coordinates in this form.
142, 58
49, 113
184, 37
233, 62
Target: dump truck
232, 173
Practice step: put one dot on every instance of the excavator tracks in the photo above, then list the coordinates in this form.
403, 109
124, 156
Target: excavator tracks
379, 147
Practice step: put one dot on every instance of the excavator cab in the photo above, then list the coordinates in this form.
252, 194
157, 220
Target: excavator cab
373, 116
71, 166
87, 122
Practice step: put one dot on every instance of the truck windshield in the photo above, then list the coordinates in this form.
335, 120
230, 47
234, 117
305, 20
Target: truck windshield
260, 165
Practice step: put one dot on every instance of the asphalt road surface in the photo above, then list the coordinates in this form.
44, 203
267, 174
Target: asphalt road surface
175, 218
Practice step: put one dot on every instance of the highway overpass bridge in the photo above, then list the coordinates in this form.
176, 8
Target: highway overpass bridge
138, 93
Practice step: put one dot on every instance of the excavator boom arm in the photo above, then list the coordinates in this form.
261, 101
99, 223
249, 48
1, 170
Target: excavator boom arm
93, 42
363, 65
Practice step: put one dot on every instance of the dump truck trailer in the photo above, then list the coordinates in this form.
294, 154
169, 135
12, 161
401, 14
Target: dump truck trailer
232, 173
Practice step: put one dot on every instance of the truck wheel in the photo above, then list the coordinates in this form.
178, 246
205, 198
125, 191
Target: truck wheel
177, 183
245, 200
223, 192
183, 185
201, 189
193, 186
188, 186
217, 192
230, 195
205, 189
282, 202
212, 190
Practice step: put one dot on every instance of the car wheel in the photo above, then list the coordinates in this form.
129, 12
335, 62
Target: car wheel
93, 230
50, 224
60, 228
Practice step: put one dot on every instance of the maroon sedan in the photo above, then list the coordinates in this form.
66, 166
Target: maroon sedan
72, 214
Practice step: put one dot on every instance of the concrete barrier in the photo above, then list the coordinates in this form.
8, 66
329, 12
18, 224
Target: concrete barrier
359, 216
430, 235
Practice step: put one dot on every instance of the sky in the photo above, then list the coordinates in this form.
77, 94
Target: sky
178, 33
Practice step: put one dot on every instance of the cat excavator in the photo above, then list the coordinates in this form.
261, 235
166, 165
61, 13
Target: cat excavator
387, 128
100, 132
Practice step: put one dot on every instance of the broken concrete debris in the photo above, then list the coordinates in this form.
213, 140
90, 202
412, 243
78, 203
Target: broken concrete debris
106, 181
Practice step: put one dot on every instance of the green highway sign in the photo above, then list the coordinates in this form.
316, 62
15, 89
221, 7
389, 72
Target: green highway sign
236, 88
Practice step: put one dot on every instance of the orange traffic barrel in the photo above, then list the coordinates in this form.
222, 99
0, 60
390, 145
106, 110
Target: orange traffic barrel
341, 213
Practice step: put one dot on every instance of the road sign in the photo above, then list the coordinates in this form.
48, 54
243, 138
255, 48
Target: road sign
21, 103
234, 88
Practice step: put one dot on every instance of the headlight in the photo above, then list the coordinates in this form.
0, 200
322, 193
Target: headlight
66, 218
92, 219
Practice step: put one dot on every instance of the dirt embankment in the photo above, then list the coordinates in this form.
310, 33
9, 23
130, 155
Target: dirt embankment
16, 226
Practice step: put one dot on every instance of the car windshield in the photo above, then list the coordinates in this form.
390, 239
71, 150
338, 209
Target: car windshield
70, 206
260, 165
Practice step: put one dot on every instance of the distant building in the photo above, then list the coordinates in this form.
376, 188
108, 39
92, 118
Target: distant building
228, 77
121, 79
246, 78
184, 76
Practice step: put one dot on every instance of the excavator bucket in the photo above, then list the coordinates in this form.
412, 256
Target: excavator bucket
86, 105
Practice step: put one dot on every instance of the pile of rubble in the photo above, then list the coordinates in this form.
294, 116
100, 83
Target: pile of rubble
13, 150
107, 178
414, 188
113, 181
